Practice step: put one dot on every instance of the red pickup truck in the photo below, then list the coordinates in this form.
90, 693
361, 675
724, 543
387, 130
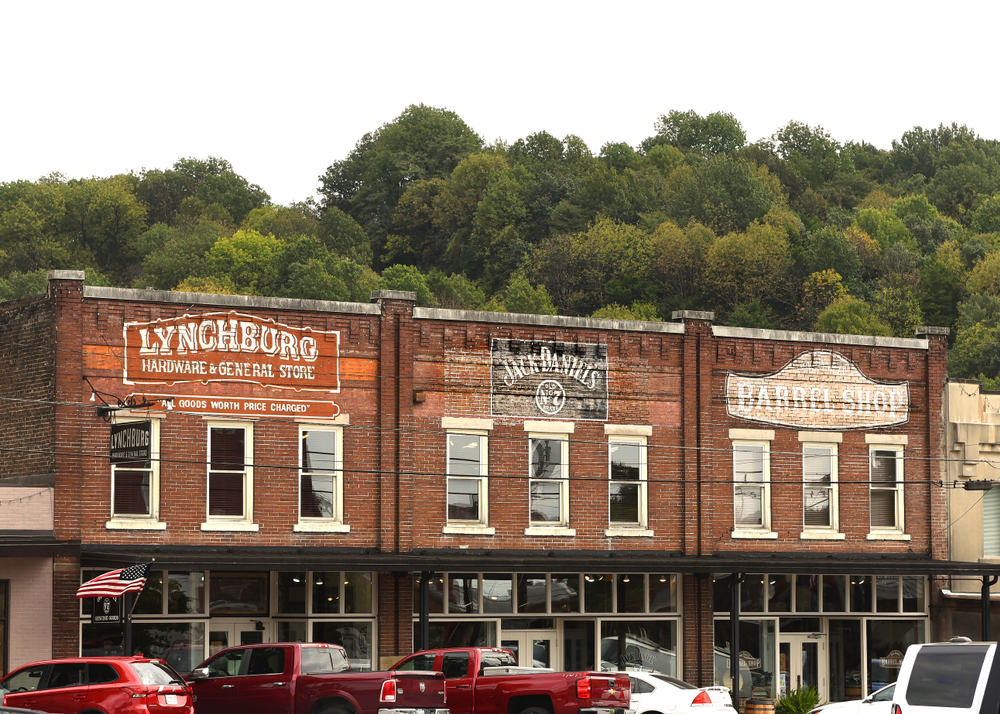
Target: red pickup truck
308, 678
488, 681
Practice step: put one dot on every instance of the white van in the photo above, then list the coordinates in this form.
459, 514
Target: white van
944, 678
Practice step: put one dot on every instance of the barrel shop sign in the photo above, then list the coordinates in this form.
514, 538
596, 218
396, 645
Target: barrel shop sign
231, 347
554, 380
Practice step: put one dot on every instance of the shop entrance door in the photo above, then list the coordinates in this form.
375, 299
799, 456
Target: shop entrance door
802, 663
534, 648
223, 634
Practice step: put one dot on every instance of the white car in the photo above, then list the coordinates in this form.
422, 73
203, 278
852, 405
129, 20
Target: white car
660, 694
878, 702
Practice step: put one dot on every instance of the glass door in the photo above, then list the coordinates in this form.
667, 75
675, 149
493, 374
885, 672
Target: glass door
799, 663
533, 648
222, 634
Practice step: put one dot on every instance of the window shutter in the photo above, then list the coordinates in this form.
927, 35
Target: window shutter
991, 523
883, 490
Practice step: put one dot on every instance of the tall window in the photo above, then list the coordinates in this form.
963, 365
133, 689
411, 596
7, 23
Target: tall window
135, 484
819, 496
549, 485
320, 469
230, 471
886, 488
627, 488
467, 482
751, 474
991, 523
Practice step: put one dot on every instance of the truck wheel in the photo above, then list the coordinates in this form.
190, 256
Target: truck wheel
535, 710
336, 710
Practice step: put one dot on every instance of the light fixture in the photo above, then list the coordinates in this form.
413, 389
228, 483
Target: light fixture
625, 579
106, 410
170, 405
93, 396
663, 578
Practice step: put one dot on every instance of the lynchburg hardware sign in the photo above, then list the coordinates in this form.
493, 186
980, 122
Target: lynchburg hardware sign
231, 347
818, 390
130, 441
554, 380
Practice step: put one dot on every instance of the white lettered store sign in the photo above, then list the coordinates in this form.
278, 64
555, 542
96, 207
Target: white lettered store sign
818, 390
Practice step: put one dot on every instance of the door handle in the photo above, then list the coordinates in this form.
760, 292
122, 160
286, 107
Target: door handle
228, 686
279, 684
463, 686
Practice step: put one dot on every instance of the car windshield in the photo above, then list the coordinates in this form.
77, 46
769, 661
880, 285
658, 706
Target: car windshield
155, 673
679, 683
324, 660
946, 675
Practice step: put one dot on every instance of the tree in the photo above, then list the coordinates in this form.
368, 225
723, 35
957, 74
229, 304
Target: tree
810, 151
249, 260
722, 193
985, 276
896, 305
986, 217
678, 257
850, 316
282, 221
821, 289
831, 249
641, 311
173, 254
455, 292
522, 297
741, 267
217, 184
422, 143
942, 285
715, 133
407, 278
344, 236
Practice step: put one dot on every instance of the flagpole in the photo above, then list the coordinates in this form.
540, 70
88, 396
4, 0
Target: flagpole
127, 623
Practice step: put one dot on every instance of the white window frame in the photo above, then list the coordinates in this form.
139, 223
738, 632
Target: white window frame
231, 523
832, 488
991, 523
481, 525
334, 524
762, 439
152, 520
562, 481
616, 527
898, 532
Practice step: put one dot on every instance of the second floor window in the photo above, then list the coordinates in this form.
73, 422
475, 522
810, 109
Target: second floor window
467, 482
320, 468
549, 485
886, 488
819, 475
627, 488
229, 471
751, 495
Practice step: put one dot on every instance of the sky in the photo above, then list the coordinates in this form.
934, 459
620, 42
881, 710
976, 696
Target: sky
282, 90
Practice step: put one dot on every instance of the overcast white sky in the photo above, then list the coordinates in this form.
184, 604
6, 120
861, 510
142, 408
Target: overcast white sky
283, 89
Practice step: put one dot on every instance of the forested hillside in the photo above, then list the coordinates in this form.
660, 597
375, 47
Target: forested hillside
797, 231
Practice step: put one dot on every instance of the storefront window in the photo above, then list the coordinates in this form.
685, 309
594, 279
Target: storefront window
435, 591
631, 593
459, 633
913, 593
578, 645
779, 593
181, 644
326, 593
238, 594
497, 593
887, 593
291, 594
566, 593
756, 656
722, 590
185, 593
597, 590
887, 641
834, 593
649, 646
357, 592
861, 593
290, 631
752, 593
463, 593
531, 593
150, 600
845, 660
663, 593
355, 637
807, 593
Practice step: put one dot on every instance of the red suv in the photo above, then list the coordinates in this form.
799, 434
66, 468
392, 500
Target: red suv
114, 685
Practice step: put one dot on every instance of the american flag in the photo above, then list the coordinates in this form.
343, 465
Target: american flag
116, 583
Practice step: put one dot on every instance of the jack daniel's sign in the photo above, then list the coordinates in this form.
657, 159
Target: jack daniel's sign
549, 380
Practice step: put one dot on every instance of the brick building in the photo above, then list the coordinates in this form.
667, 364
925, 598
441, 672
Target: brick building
591, 493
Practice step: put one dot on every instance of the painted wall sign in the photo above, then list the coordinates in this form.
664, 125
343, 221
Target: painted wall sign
245, 406
231, 347
554, 380
130, 441
818, 390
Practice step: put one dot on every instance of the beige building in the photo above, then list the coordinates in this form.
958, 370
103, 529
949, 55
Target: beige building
972, 487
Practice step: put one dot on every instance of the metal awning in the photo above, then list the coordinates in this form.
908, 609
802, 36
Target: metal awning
475, 560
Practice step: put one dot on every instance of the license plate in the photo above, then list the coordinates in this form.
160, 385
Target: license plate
171, 699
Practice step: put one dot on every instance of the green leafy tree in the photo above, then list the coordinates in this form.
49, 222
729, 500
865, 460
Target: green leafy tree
641, 311
986, 217
896, 305
344, 236
455, 291
746, 266
821, 289
31, 236
163, 192
678, 257
715, 133
722, 193
216, 184
976, 352
173, 254
407, 278
249, 260
850, 316
810, 151
283, 221
830, 249
985, 276
422, 143
19, 285
942, 286
522, 297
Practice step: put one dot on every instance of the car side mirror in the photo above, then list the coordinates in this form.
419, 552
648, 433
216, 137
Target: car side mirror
200, 673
